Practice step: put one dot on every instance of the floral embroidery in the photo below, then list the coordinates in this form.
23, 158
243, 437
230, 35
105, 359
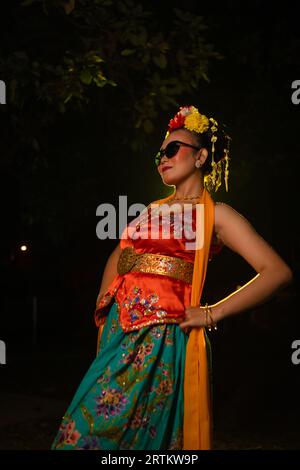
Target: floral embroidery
137, 358
157, 331
177, 441
138, 420
114, 326
89, 443
165, 387
111, 331
169, 340
152, 432
67, 433
139, 306
103, 378
110, 403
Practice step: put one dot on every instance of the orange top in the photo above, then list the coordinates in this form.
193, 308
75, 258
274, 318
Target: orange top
145, 298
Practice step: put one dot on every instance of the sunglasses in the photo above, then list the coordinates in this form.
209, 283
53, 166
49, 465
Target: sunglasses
171, 150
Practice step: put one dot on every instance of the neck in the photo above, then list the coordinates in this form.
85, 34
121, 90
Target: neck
189, 188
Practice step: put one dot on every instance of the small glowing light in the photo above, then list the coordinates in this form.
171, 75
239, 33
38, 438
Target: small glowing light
23, 247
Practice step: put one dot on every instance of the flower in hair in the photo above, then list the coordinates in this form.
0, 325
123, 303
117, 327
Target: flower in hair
188, 117
196, 122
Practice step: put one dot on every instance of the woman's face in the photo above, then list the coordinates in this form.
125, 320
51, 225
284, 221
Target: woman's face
178, 168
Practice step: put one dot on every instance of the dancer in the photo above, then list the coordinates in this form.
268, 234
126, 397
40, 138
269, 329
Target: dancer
149, 385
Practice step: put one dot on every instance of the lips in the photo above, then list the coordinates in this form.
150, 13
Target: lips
166, 168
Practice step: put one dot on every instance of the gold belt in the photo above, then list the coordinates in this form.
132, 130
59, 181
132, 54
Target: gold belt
171, 266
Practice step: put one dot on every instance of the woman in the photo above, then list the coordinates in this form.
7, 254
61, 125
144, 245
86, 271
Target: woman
148, 387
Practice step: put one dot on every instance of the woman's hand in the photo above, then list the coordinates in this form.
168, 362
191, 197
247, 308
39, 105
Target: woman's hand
194, 317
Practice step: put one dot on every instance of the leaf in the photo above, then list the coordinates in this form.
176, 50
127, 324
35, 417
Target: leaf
66, 100
160, 61
62, 108
146, 58
143, 35
35, 144
111, 82
148, 126
86, 76
127, 52
21, 55
97, 59
135, 39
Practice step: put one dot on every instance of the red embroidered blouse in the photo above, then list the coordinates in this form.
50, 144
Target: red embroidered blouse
145, 298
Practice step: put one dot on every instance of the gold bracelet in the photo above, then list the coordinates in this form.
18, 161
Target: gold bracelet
213, 324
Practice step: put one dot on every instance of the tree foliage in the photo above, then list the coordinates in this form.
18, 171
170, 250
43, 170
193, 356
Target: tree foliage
75, 51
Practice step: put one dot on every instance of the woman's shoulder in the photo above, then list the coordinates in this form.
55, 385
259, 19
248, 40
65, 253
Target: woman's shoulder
221, 207
222, 210
221, 204
228, 216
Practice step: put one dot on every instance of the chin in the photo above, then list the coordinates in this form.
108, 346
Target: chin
169, 181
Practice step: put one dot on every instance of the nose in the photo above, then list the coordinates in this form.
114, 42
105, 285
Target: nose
163, 159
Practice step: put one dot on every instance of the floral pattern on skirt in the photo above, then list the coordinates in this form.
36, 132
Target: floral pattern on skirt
132, 395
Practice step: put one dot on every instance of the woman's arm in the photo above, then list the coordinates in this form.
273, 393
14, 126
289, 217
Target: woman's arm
237, 233
110, 270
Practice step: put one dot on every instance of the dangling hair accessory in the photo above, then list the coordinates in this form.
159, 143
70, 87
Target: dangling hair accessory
188, 117
213, 180
226, 158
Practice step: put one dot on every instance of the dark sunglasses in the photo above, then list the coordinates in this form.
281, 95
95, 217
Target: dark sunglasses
171, 150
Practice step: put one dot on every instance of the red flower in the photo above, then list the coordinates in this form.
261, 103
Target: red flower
177, 122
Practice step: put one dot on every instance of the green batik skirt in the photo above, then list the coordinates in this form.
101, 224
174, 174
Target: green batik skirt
132, 395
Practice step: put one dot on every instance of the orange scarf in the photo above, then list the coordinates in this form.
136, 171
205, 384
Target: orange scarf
197, 429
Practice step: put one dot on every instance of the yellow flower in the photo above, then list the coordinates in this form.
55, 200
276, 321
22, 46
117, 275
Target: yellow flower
196, 122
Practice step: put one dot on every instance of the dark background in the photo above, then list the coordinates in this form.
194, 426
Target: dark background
50, 191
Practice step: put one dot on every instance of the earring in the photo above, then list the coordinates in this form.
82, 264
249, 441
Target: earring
197, 164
